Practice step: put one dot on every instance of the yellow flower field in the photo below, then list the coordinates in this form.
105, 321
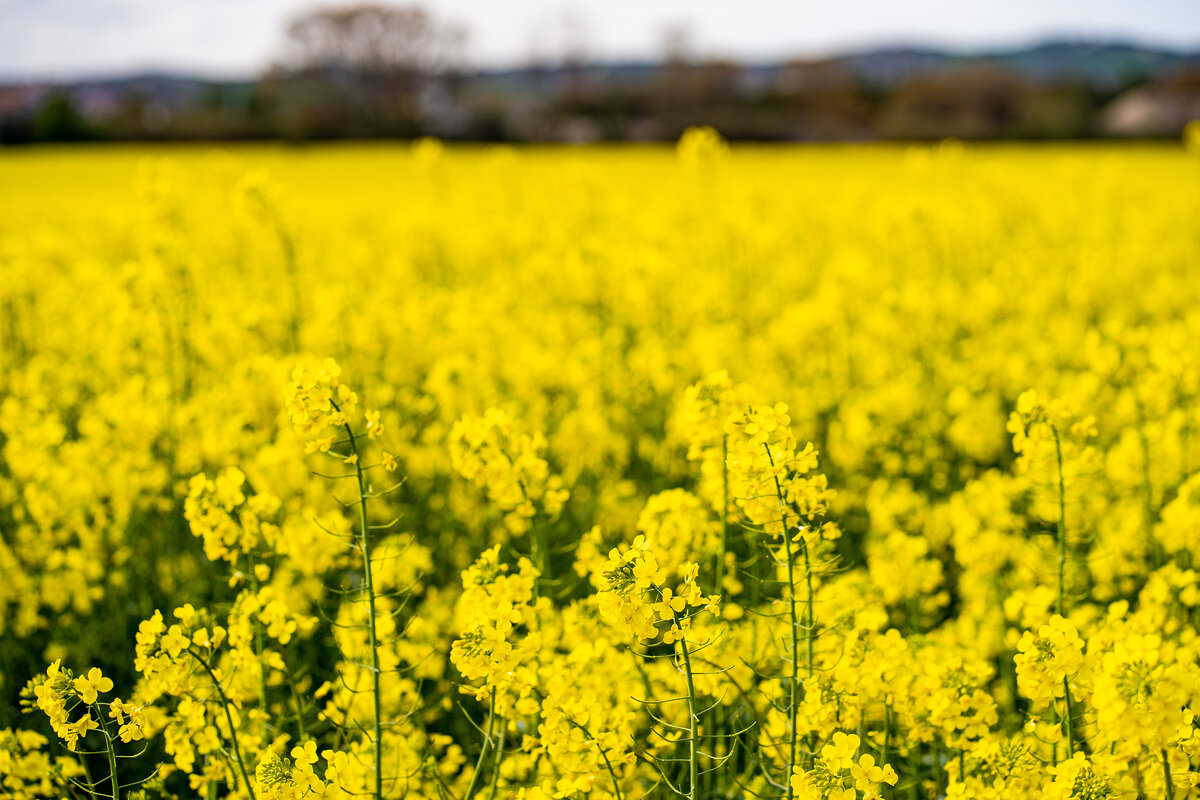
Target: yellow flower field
446, 473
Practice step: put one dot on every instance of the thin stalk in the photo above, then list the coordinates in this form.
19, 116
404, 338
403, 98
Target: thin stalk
914, 767
603, 753
1156, 551
1069, 721
112, 756
720, 565
258, 643
693, 722
538, 552
237, 750
499, 759
809, 626
369, 588
87, 773
887, 732
291, 268
1185, 444
69, 785
297, 702
793, 684
1062, 520
539, 549
487, 740
1062, 561
808, 607
720, 589
1168, 784
935, 769
608, 766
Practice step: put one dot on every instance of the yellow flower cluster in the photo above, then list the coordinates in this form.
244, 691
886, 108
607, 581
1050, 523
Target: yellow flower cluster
499, 641
583, 733
838, 775
317, 401
1144, 691
770, 479
292, 778
59, 694
231, 524
678, 527
213, 671
634, 593
706, 405
57, 688
1046, 434
701, 144
490, 453
1046, 661
27, 772
1077, 779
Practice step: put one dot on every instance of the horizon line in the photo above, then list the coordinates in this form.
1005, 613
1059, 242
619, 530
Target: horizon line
928, 45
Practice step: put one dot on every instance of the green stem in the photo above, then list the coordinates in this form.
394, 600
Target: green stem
538, 549
1062, 521
612, 773
935, 769
1062, 561
808, 607
87, 773
112, 755
887, 732
499, 759
693, 721
237, 750
603, 753
369, 588
1156, 551
720, 590
487, 740
293, 273
1168, 784
1070, 721
296, 701
809, 627
914, 767
793, 684
720, 565
537, 546
258, 641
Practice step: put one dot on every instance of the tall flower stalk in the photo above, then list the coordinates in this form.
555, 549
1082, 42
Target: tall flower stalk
1039, 441
635, 595
60, 695
320, 407
784, 499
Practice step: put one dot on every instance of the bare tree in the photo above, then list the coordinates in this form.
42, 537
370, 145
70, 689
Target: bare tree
367, 67
678, 43
373, 38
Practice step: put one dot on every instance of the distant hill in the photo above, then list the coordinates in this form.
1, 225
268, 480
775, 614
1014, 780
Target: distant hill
1103, 65
1052, 89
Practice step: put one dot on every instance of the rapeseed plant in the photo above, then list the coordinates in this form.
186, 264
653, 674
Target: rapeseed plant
977, 591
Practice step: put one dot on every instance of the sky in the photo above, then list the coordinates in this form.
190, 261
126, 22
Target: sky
238, 38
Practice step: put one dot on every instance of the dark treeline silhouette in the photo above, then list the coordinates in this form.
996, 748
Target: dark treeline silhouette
380, 71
